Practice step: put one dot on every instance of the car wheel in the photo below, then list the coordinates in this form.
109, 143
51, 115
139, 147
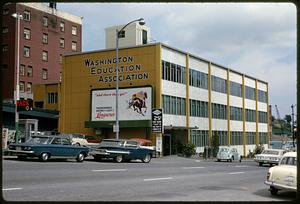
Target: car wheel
22, 157
77, 144
218, 160
273, 190
147, 158
232, 158
44, 157
80, 157
119, 158
260, 163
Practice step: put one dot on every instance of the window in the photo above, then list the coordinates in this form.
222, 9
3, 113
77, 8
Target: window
5, 11
52, 98
29, 71
250, 137
219, 111
4, 48
236, 138
4, 29
173, 105
199, 137
236, 113
62, 26
250, 115
219, 84
45, 38
74, 46
74, 30
262, 117
262, 96
144, 37
45, 55
22, 86
26, 16
235, 89
45, 21
62, 43
173, 72
29, 87
56, 141
44, 74
22, 70
198, 79
26, 33
60, 58
250, 93
26, 51
122, 34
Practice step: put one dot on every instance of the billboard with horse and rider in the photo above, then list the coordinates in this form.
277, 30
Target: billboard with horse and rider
134, 104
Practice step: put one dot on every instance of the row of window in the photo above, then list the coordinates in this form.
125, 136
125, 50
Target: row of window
29, 71
176, 73
173, 72
28, 87
200, 137
174, 105
45, 21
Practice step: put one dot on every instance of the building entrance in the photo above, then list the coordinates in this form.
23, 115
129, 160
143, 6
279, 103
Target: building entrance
172, 141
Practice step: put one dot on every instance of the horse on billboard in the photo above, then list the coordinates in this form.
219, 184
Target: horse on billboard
138, 102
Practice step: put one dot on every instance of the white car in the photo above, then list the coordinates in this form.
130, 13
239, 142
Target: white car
269, 156
283, 176
228, 154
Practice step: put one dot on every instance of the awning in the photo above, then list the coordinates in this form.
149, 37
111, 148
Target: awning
180, 128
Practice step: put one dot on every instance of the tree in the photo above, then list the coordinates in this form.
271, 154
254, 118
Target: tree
215, 144
288, 118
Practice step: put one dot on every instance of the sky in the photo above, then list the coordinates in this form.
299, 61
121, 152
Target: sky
258, 39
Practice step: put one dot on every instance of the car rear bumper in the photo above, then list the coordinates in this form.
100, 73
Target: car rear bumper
280, 186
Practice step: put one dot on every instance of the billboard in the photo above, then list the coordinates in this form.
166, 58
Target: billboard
134, 104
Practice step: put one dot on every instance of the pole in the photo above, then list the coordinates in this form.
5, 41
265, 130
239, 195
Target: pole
17, 94
117, 84
293, 131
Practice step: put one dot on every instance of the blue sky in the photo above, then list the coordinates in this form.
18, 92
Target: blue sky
258, 39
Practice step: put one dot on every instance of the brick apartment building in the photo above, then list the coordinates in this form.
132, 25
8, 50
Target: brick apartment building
46, 34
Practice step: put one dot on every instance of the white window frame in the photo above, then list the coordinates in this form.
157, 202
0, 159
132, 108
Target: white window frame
45, 55
45, 38
74, 30
45, 21
26, 33
26, 16
74, 46
26, 51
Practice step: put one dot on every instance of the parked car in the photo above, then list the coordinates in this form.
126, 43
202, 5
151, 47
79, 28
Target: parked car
269, 156
77, 139
121, 150
92, 140
283, 176
144, 143
46, 147
229, 154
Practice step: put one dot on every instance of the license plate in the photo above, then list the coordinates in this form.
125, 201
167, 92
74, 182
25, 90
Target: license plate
18, 148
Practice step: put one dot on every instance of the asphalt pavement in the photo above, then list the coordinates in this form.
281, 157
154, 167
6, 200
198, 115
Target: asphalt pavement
170, 178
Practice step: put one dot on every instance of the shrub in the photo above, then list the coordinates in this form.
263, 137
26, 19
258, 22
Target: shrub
188, 149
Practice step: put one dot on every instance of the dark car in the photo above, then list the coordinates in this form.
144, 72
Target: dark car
121, 150
46, 147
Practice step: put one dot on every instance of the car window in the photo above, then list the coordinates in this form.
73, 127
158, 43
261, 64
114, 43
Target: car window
110, 143
66, 141
289, 161
270, 152
38, 140
224, 150
131, 144
56, 140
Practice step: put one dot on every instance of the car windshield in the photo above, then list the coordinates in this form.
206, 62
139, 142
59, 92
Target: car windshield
224, 150
111, 143
38, 140
270, 152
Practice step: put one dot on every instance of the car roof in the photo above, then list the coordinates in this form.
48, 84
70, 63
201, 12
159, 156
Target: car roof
290, 154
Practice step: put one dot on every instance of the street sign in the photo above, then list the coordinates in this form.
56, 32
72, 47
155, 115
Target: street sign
157, 122
115, 128
25, 105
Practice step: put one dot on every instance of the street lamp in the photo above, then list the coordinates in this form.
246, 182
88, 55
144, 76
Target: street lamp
141, 22
19, 17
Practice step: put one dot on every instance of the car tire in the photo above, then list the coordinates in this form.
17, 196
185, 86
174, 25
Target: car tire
273, 190
77, 144
80, 157
147, 158
44, 156
119, 158
260, 163
22, 157
232, 158
218, 160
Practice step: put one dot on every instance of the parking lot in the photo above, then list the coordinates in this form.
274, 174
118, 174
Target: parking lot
163, 179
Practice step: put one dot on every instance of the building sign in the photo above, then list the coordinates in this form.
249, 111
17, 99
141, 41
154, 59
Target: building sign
25, 105
157, 122
4, 137
105, 69
134, 104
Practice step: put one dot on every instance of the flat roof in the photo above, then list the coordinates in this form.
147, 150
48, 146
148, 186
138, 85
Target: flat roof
171, 48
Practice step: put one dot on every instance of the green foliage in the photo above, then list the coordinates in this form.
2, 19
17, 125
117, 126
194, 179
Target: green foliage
215, 145
188, 149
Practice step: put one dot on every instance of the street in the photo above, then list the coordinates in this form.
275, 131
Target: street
163, 179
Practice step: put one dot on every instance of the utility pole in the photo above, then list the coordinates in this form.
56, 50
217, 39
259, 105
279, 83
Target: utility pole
293, 125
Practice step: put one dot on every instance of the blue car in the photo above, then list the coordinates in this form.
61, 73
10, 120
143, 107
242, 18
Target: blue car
121, 150
46, 147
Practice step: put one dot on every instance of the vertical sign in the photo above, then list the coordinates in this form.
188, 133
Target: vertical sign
4, 138
157, 122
